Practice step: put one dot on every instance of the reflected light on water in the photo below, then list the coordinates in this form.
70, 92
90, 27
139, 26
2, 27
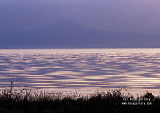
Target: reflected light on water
78, 68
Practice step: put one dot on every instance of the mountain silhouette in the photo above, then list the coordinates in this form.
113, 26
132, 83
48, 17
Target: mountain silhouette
67, 34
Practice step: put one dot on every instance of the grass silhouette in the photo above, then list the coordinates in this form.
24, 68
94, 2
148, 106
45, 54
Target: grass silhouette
26, 101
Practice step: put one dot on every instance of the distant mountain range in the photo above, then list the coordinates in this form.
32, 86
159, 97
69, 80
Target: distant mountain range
67, 34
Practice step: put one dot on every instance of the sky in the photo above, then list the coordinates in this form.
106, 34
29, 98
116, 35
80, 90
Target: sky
111, 15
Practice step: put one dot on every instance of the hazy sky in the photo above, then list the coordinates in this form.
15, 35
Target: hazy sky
114, 15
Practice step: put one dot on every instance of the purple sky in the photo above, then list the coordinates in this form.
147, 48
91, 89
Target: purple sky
114, 15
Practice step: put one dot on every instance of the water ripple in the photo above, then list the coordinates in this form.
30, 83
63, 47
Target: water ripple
76, 69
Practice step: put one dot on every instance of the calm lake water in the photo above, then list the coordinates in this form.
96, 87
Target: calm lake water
80, 69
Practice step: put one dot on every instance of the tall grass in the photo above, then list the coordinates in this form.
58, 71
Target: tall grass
26, 101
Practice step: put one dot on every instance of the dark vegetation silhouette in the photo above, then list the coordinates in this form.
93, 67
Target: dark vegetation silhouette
26, 101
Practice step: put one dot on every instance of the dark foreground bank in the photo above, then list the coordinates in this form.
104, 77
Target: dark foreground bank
26, 101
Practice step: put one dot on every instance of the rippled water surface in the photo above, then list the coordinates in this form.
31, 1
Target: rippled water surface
48, 69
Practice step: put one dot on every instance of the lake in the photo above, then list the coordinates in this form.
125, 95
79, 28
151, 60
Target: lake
81, 69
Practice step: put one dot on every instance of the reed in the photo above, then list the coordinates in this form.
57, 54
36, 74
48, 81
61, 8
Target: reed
26, 101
